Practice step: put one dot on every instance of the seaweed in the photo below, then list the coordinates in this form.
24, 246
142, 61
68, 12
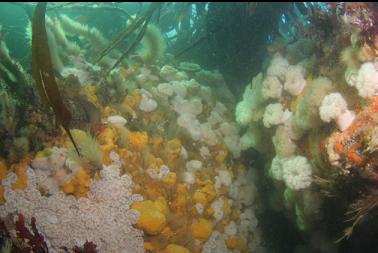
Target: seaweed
13, 77
191, 46
139, 22
43, 74
133, 45
34, 239
121, 36
88, 247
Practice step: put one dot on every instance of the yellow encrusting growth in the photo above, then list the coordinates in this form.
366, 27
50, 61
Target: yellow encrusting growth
89, 92
208, 190
3, 170
200, 197
202, 230
79, 184
170, 179
236, 243
174, 248
222, 153
152, 219
107, 139
22, 180
180, 200
138, 140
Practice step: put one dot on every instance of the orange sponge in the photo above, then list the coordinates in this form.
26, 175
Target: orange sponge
79, 184
174, 248
152, 220
22, 180
202, 230
137, 139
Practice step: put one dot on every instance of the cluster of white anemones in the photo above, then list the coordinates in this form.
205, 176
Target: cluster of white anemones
186, 98
264, 105
365, 79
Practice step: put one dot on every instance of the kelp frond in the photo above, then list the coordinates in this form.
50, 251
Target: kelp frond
133, 45
137, 23
43, 73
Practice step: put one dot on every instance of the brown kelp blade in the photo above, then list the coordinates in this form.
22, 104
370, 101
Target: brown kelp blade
43, 74
123, 35
132, 46
136, 23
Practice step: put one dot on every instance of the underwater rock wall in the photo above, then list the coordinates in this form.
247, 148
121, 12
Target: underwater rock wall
162, 147
164, 157
319, 132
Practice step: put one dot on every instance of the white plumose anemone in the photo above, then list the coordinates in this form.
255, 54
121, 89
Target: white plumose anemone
297, 173
295, 81
334, 107
367, 80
